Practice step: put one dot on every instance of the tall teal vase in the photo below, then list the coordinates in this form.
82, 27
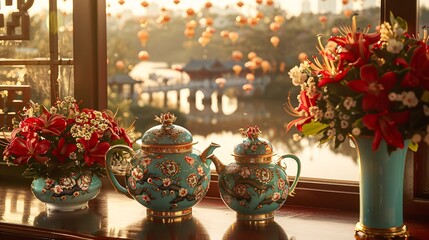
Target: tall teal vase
381, 190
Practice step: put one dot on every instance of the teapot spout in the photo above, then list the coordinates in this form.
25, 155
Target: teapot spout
208, 151
218, 164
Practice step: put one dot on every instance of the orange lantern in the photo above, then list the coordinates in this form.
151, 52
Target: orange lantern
233, 36
252, 21
224, 34
323, 19
247, 87
250, 65
275, 41
250, 77
259, 15
206, 21
266, 66
189, 32
251, 55
237, 69
279, 19
208, 5
144, 4
191, 24
269, 2
210, 30
190, 12
236, 55
282, 67
240, 4
121, 2
176, 1
203, 41
241, 20
345, 2
143, 36
120, 65
348, 13
302, 56
274, 26
258, 1
143, 55
257, 61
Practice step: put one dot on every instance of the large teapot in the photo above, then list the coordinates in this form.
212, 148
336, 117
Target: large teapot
167, 175
253, 186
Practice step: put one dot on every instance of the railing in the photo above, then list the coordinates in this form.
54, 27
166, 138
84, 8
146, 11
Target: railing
14, 99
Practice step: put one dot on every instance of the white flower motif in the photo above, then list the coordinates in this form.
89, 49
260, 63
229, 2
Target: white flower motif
183, 192
57, 189
275, 197
297, 77
394, 46
245, 172
356, 131
409, 99
296, 137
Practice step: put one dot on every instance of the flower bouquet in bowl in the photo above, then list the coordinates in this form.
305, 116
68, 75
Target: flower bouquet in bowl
63, 149
373, 87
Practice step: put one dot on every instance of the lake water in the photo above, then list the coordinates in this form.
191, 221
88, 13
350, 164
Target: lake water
219, 122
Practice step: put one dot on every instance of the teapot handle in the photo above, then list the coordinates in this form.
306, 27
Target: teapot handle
109, 154
298, 172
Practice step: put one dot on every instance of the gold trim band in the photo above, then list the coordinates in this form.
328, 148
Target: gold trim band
179, 148
253, 159
388, 233
257, 218
166, 214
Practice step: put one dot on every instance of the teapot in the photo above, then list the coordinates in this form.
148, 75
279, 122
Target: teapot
253, 186
167, 175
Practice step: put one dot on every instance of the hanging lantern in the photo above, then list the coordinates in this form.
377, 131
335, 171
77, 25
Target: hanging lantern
164, 18
250, 65
274, 26
258, 1
335, 30
120, 65
189, 32
323, 19
251, 55
208, 5
266, 66
144, 4
237, 69
279, 19
143, 36
240, 4
247, 87
275, 41
259, 15
348, 13
203, 41
252, 21
269, 2
190, 12
224, 34
250, 77
220, 82
233, 36
208, 21
241, 20
345, 2
121, 2
143, 55
176, 1
257, 61
210, 30
191, 24
236, 55
302, 56
282, 67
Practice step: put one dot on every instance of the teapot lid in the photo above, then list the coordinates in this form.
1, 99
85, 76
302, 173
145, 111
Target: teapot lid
253, 146
167, 137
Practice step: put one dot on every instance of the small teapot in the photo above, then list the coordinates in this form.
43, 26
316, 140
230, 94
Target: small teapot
253, 186
167, 175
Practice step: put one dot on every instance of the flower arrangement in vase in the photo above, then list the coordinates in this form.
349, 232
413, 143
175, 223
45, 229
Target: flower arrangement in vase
63, 149
373, 87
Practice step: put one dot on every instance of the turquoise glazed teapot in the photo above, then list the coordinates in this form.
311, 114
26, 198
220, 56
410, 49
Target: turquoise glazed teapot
253, 186
167, 175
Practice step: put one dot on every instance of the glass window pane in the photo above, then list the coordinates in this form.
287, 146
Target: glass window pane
195, 58
424, 16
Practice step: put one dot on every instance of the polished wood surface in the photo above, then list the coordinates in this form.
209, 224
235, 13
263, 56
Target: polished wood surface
112, 215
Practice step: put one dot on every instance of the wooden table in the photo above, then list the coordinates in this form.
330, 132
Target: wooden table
112, 215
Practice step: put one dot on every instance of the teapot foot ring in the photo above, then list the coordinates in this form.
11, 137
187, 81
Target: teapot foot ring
170, 216
256, 218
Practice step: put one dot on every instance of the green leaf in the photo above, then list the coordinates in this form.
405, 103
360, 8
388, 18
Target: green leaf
413, 146
313, 128
425, 97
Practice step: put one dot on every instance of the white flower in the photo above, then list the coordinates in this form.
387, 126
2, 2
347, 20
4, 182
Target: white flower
392, 96
297, 76
296, 137
349, 103
356, 131
394, 46
409, 99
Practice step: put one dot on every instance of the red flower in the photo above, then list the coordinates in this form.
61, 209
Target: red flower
49, 124
419, 68
25, 149
385, 125
303, 111
94, 150
375, 89
329, 77
356, 47
63, 150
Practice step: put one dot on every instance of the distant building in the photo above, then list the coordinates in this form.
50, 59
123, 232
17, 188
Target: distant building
205, 69
327, 6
